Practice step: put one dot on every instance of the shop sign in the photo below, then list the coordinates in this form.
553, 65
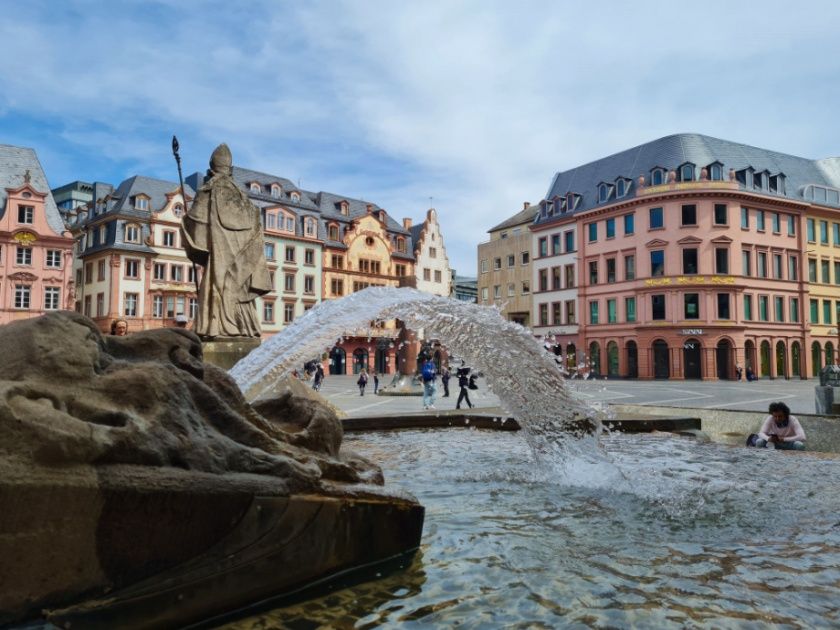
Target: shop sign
690, 332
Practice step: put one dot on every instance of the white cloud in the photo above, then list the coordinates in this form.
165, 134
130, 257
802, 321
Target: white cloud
476, 104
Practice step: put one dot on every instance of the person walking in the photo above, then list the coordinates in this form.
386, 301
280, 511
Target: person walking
318, 379
463, 383
376, 383
444, 378
429, 376
362, 382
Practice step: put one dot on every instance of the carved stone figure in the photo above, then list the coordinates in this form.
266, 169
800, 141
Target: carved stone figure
222, 233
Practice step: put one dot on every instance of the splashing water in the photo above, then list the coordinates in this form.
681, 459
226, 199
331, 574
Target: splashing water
522, 374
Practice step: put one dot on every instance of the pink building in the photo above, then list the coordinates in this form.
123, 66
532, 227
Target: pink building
35, 248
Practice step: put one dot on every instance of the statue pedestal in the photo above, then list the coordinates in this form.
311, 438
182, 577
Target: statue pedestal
225, 352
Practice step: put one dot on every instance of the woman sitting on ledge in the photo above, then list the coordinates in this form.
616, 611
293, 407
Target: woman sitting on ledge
781, 429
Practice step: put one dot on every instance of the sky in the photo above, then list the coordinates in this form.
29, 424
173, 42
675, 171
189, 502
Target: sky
467, 106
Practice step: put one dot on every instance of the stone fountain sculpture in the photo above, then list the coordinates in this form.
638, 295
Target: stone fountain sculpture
138, 488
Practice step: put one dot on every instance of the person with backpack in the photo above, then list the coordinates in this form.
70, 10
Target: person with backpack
429, 374
362, 382
463, 383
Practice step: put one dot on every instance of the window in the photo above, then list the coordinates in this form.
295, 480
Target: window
556, 278
592, 231
269, 251
593, 272
176, 273
835, 233
87, 306
570, 241
824, 232
100, 270
543, 279
159, 271
815, 312
333, 232
555, 244
657, 177
610, 270
26, 214
157, 306
658, 306
692, 305
612, 313
170, 306
824, 272
629, 227
132, 234
51, 298
689, 214
715, 173
593, 312
657, 262
656, 218
811, 230
400, 270
603, 192
275, 190
289, 282
432, 252
826, 311
543, 314
337, 287
526, 287
570, 276
610, 228
193, 306
294, 196
777, 266
310, 227
484, 266
630, 309
630, 267
748, 303
556, 313
23, 297
100, 304
812, 270
290, 253
309, 257
503, 235
132, 268
525, 257
53, 258
511, 261
130, 304
687, 173
337, 262
288, 313
791, 221
255, 188
836, 272
88, 273
690, 261
793, 268
794, 310
103, 232
543, 246
721, 260
721, 214
483, 294
427, 274
401, 246
746, 267
723, 306
620, 188
168, 238
191, 275
776, 222
268, 311
759, 220
511, 288
570, 312
438, 276
23, 256
745, 218
762, 308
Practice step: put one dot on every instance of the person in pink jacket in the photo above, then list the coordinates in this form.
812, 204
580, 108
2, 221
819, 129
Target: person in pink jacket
781, 429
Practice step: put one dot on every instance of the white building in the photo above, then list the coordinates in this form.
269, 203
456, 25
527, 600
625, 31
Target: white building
432, 264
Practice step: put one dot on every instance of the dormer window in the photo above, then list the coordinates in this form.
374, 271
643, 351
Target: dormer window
657, 176
570, 201
255, 188
716, 172
687, 172
295, 196
760, 180
777, 183
344, 208
549, 208
141, 202
132, 233
310, 227
401, 244
178, 210
382, 216
622, 187
561, 203
604, 191
276, 191
333, 232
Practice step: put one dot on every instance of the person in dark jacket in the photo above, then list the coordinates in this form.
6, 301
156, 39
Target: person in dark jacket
463, 383
375, 382
444, 378
362, 382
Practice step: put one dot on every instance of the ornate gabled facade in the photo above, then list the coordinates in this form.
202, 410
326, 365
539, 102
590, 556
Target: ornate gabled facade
35, 248
694, 255
130, 262
431, 262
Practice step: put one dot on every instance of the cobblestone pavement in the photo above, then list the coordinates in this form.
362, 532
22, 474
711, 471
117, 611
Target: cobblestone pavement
754, 396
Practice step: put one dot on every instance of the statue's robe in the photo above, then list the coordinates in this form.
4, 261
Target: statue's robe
222, 233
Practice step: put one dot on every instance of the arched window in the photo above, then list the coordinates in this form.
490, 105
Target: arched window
620, 188
345, 208
401, 244
657, 177
716, 172
178, 210
687, 173
310, 227
603, 192
255, 188
333, 232
295, 196
276, 191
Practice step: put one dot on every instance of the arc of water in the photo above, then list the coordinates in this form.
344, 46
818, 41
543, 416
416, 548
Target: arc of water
522, 374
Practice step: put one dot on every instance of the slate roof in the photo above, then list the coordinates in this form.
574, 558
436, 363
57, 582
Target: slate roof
14, 162
415, 231
671, 152
526, 215
328, 204
156, 189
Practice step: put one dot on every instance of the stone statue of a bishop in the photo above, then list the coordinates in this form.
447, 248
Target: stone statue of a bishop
222, 233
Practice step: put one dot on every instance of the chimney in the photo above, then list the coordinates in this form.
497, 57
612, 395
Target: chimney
406, 223
369, 208
526, 205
